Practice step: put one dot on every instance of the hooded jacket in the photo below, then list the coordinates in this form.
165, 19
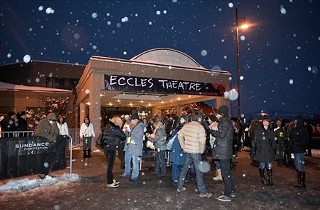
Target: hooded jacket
224, 139
299, 137
111, 136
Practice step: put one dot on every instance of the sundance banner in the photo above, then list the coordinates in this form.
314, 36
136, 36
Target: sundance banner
156, 85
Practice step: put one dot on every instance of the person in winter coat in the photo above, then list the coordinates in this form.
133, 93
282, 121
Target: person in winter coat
158, 138
48, 129
133, 148
63, 126
213, 125
110, 138
86, 135
223, 151
298, 142
192, 138
176, 153
266, 144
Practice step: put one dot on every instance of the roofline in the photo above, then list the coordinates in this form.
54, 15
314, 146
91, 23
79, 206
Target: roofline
157, 64
169, 49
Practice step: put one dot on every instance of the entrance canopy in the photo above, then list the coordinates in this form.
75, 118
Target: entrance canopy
13, 87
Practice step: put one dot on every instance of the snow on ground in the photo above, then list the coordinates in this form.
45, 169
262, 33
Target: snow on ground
26, 184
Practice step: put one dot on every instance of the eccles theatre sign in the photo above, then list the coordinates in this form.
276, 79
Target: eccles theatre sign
156, 85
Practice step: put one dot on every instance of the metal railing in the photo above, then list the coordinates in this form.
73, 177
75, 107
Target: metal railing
13, 134
73, 133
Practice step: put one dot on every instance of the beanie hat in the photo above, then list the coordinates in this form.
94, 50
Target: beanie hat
223, 110
196, 114
134, 117
213, 118
185, 117
52, 116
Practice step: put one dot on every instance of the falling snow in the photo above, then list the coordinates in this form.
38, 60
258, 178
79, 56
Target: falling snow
271, 49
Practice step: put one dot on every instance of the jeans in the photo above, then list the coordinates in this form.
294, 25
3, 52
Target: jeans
54, 153
195, 159
110, 155
227, 177
135, 166
265, 165
217, 163
299, 161
160, 167
176, 169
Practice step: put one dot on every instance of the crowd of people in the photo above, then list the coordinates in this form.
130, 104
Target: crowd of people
186, 141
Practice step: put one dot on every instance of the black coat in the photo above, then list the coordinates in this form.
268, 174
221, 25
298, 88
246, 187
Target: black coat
111, 136
266, 143
299, 139
224, 139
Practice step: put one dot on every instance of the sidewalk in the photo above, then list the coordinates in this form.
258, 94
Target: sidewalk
151, 192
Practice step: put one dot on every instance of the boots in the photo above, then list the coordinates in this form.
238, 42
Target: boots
270, 181
89, 153
218, 176
298, 185
263, 178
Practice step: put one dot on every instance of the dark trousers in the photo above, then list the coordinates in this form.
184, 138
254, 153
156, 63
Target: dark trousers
121, 153
227, 177
160, 167
110, 156
55, 154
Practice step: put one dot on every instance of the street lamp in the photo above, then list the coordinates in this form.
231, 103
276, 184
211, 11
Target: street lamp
242, 26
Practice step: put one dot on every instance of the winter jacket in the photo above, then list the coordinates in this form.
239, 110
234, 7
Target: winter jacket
224, 138
160, 139
266, 143
192, 137
46, 130
63, 128
111, 136
176, 154
299, 139
136, 144
86, 130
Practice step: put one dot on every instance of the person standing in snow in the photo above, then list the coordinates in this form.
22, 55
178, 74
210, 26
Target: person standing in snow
110, 138
298, 142
86, 135
133, 148
192, 138
48, 129
223, 151
266, 144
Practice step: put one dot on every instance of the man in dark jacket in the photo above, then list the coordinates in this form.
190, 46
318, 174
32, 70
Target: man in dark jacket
111, 137
299, 140
223, 151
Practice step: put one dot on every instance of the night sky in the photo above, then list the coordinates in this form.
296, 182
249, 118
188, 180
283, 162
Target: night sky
279, 53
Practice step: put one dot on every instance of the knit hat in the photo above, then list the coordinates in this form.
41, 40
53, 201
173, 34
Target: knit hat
134, 117
213, 118
52, 116
185, 117
223, 110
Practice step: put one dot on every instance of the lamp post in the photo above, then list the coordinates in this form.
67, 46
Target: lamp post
243, 26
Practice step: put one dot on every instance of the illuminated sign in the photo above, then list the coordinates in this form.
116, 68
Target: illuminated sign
157, 85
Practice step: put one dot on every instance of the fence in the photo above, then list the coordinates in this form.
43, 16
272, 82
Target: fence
73, 133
